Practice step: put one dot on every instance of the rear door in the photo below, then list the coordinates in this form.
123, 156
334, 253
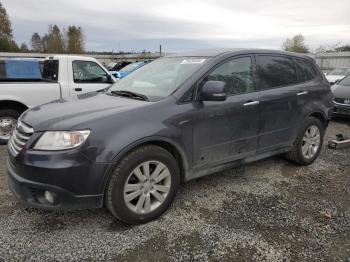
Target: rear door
279, 108
228, 130
87, 76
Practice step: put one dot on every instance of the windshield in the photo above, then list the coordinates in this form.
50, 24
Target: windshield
131, 67
159, 78
340, 71
345, 81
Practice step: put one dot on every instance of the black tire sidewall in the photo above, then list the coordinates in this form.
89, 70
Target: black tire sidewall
8, 113
122, 173
310, 122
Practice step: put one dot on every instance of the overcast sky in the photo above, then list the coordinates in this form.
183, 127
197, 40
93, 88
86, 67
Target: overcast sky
186, 24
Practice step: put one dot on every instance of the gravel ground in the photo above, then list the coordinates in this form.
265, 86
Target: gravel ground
267, 211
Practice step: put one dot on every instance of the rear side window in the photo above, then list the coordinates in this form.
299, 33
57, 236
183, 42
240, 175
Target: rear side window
276, 71
305, 70
50, 70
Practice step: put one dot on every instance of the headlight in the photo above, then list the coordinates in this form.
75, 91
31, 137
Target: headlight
61, 140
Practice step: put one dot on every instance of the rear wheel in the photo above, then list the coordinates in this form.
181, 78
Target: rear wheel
143, 185
308, 143
8, 122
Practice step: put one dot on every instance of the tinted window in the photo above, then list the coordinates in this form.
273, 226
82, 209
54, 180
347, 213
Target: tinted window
276, 71
305, 70
50, 70
237, 75
345, 81
88, 72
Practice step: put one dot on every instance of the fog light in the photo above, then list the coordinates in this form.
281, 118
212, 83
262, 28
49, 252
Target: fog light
49, 197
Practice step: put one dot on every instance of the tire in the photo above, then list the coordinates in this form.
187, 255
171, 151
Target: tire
4, 114
296, 155
116, 194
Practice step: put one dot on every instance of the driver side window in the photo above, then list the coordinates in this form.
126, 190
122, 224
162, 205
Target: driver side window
237, 75
88, 72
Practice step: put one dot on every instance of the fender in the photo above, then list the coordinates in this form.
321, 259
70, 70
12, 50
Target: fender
137, 143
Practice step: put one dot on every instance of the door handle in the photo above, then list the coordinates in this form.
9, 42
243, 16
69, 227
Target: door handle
78, 89
253, 103
302, 93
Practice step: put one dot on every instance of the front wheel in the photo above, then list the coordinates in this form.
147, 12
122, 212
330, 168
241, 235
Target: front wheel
8, 122
143, 185
308, 143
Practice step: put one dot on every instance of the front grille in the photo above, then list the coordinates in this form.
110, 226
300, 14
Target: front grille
342, 101
339, 100
19, 138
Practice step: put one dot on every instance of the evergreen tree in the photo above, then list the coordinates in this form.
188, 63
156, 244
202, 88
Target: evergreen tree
36, 43
7, 44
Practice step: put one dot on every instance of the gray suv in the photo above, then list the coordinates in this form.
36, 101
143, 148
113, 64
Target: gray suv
180, 117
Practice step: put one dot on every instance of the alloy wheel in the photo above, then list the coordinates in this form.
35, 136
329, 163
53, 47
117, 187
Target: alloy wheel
311, 142
7, 126
147, 187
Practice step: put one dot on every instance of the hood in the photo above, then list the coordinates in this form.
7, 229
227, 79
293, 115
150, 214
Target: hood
333, 78
77, 112
340, 91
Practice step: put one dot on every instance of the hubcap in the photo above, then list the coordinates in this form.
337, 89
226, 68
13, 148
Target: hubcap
7, 125
147, 187
311, 142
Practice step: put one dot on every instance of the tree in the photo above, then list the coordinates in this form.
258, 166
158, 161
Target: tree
36, 43
24, 48
296, 44
53, 41
75, 40
344, 48
7, 44
5, 24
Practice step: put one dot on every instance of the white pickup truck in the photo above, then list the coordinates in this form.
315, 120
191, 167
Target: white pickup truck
59, 77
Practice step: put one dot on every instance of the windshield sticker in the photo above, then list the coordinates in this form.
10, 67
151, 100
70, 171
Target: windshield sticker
192, 61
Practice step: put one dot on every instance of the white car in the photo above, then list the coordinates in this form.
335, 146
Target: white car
62, 76
337, 74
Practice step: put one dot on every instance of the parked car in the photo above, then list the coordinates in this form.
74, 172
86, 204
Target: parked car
176, 119
116, 66
23, 86
128, 69
337, 74
341, 91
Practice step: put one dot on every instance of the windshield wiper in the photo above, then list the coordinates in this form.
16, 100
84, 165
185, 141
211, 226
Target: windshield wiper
129, 94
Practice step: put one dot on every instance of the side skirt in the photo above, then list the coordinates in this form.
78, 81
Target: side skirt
207, 170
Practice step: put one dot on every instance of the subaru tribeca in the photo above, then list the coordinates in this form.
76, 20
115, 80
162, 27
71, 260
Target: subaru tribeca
180, 117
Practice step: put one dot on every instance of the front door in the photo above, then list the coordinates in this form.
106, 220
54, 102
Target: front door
88, 76
228, 130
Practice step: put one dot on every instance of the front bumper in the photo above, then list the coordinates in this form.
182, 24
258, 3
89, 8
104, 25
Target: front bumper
74, 181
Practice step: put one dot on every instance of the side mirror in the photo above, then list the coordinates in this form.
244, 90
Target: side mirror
213, 91
110, 79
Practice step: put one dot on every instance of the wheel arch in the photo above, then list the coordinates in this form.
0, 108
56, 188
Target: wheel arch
320, 116
172, 147
12, 104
